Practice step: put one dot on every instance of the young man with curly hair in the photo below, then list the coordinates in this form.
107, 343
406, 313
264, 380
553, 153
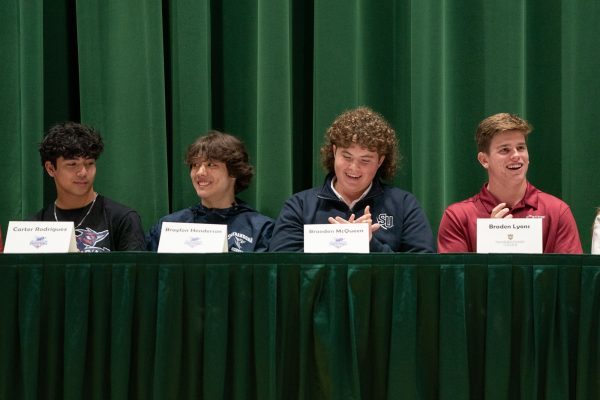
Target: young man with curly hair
502, 145
360, 151
219, 169
68, 153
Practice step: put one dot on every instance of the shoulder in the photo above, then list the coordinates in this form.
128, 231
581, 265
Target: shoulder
41, 215
251, 214
464, 206
305, 195
184, 215
550, 201
397, 198
114, 208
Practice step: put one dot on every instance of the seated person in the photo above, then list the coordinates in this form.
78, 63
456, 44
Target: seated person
502, 144
69, 152
219, 169
360, 150
596, 234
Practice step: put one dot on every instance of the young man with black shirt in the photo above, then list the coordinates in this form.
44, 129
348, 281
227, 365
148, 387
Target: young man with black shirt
68, 153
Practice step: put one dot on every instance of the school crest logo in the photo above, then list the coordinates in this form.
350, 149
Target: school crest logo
239, 241
386, 221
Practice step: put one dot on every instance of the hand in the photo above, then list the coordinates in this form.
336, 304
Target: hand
365, 218
501, 211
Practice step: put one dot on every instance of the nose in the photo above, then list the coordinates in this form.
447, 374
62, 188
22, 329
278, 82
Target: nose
201, 169
82, 171
515, 153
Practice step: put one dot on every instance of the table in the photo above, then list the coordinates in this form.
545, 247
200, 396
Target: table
299, 326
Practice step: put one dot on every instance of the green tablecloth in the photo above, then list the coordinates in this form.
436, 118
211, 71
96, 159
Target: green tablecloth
299, 326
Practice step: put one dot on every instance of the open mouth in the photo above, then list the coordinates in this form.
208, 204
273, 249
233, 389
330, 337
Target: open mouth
515, 167
353, 177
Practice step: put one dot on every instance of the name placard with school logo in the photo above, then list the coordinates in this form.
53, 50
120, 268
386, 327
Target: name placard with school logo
509, 235
184, 237
336, 238
40, 237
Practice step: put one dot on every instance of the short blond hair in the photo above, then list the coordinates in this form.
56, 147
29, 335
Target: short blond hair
498, 123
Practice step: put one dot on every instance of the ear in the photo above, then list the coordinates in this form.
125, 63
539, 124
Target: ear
483, 159
49, 168
381, 159
333, 148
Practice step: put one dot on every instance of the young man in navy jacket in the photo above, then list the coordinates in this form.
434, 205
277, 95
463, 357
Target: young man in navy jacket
360, 151
219, 169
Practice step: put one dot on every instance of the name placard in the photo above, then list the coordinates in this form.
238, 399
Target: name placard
336, 238
40, 237
509, 235
183, 237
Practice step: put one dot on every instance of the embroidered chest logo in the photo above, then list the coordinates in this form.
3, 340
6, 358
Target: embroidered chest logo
386, 221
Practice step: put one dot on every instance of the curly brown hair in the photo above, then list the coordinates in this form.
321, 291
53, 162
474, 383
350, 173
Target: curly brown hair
225, 148
368, 129
498, 123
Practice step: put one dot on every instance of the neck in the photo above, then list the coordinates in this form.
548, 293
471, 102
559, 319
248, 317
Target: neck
348, 197
227, 202
69, 202
509, 194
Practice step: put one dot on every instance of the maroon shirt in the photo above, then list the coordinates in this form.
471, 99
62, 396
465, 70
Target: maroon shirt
458, 228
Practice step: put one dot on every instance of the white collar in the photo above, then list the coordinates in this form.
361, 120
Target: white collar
351, 205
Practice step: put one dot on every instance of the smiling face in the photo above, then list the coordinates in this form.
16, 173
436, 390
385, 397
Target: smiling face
74, 179
213, 184
507, 158
355, 167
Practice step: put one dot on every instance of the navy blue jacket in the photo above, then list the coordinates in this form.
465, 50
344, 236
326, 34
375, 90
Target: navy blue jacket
404, 227
247, 229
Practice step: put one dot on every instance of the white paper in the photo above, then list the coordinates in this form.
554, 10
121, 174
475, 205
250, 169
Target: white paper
336, 238
509, 235
40, 237
180, 237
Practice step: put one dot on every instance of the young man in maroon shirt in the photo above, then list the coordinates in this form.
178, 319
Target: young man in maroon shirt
502, 144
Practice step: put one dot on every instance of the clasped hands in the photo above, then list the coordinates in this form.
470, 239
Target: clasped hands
501, 211
365, 218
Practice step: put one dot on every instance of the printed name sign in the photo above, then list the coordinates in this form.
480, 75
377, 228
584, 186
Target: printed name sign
509, 235
336, 238
40, 237
180, 237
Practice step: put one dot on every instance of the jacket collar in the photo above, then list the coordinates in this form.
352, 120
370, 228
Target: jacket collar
240, 206
326, 193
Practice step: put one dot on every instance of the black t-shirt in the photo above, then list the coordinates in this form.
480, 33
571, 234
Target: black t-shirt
109, 226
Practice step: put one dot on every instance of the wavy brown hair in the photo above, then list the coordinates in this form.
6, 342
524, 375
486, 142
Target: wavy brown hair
368, 129
225, 148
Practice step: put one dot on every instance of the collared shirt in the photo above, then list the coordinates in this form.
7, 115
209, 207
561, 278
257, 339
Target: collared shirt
458, 228
351, 205
404, 226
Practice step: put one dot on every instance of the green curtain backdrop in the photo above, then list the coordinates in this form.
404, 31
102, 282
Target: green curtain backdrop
153, 75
